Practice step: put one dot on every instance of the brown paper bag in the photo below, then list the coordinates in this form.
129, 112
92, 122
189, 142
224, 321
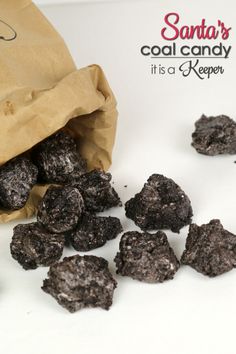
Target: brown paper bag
41, 92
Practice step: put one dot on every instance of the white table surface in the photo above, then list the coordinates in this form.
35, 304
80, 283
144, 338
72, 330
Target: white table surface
191, 314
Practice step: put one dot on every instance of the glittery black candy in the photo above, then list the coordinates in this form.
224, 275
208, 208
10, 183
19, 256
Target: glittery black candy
60, 209
94, 231
210, 249
161, 204
33, 246
146, 257
17, 177
215, 135
97, 192
78, 282
58, 159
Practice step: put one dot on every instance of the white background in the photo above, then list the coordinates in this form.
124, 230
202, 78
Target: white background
192, 313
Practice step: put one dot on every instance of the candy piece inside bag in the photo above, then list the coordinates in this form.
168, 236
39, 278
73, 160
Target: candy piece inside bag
17, 177
58, 159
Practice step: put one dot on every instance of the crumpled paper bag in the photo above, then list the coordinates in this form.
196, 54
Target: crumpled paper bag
41, 92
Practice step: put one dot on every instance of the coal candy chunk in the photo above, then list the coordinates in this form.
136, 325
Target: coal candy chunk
60, 209
78, 282
17, 177
146, 257
94, 231
210, 249
214, 135
58, 159
97, 191
161, 204
33, 246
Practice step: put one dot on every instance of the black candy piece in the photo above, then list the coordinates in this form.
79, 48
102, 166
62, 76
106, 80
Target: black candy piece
58, 159
78, 282
94, 231
33, 246
210, 249
60, 209
161, 204
97, 192
215, 135
146, 257
17, 177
